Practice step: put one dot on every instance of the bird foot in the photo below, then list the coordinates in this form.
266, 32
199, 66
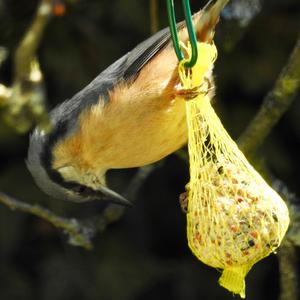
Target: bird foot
189, 94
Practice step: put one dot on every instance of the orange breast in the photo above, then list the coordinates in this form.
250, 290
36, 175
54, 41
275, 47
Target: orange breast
142, 123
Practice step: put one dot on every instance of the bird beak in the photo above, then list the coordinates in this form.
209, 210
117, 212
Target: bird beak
114, 197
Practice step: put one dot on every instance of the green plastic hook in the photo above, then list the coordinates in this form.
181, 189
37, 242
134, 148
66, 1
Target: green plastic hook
190, 28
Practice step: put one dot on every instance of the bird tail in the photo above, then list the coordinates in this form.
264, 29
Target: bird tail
206, 20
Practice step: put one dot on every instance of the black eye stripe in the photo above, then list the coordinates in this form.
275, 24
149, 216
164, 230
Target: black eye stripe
82, 189
79, 189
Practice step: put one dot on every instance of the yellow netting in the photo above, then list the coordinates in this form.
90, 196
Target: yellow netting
234, 218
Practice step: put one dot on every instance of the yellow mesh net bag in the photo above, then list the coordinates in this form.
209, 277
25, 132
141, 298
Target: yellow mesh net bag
234, 218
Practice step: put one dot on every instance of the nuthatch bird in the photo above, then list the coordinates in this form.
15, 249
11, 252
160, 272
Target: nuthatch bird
128, 116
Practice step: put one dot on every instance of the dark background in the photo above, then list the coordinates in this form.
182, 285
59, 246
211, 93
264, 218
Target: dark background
144, 256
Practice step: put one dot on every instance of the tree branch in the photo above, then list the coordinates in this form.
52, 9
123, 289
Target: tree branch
274, 105
28, 46
112, 212
5, 93
25, 103
79, 234
153, 16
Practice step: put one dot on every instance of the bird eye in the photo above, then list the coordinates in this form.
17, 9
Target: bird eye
79, 189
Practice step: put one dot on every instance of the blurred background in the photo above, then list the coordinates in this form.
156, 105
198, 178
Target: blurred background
144, 255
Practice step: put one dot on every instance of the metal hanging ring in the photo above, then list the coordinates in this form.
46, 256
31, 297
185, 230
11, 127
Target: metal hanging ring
190, 28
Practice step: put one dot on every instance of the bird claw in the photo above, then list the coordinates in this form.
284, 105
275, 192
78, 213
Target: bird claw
189, 94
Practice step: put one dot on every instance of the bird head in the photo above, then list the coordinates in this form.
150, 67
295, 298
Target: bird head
67, 182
